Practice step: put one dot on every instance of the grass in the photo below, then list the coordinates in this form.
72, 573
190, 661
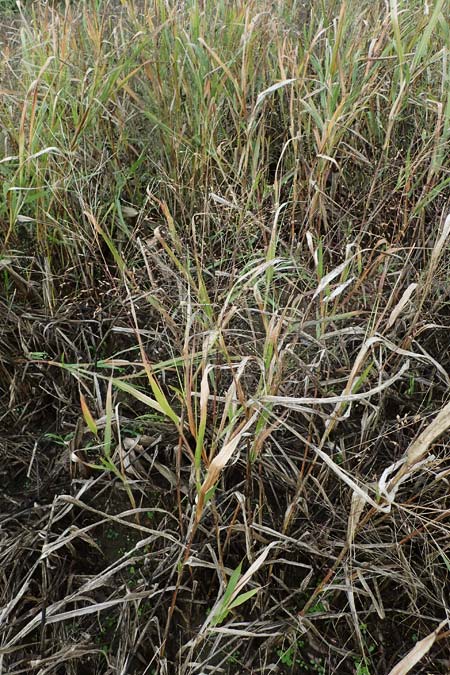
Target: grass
225, 301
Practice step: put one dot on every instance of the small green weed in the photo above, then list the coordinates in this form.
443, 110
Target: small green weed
112, 534
292, 656
317, 608
362, 668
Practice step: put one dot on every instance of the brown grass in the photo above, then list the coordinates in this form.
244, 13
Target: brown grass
224, 351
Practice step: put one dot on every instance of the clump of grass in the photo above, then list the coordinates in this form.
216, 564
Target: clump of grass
225, 258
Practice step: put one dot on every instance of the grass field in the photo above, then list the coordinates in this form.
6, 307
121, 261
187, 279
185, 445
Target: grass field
224, 337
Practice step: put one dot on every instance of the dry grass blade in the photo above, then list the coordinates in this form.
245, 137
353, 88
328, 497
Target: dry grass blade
328, 278
218, 464
254, 567
415, 456
401, 304
418, 449
356, 511
439, 246
295, 402
417, 653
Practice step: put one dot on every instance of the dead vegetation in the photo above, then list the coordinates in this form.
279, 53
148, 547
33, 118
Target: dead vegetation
224, 341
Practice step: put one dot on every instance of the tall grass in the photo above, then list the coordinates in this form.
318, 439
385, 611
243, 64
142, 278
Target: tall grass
225, 250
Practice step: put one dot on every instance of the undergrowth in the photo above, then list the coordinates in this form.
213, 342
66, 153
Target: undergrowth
224, 348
